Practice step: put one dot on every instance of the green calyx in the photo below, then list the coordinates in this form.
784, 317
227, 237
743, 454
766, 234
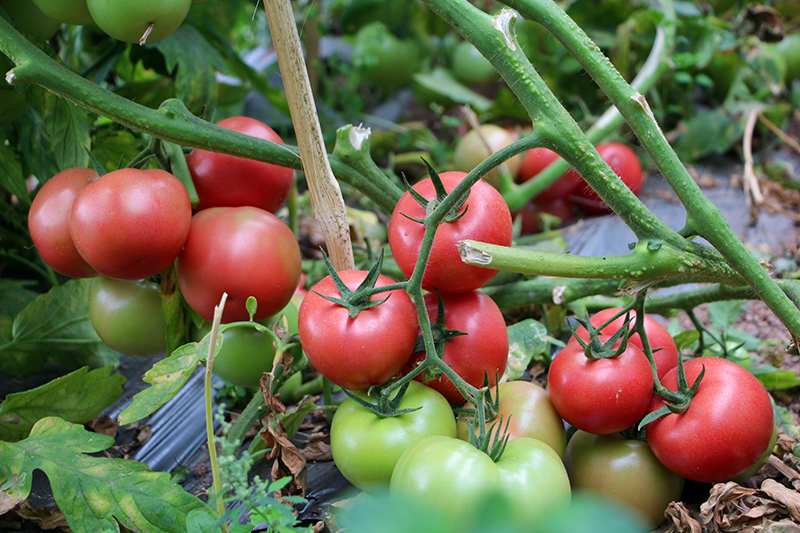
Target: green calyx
387, 400
597, 349
455, 213
361, 298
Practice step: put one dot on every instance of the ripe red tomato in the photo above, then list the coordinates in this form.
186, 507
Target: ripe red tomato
241, 251
538, 159
625, 163
224, 180
48, 222
487, 219
525, 411
361, 351
601, 396
666, 358
131, 224
725, 430
128, 21
623, 470
484, 348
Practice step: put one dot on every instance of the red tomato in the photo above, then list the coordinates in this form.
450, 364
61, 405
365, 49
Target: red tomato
600, 396
625, 163
48, 222
242, 251
224, 180
361, 351
666, 358
131, 224
484, 348
725, 430
487, 219
538, 159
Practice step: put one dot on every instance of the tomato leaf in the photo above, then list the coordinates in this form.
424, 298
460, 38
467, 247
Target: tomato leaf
11, 177
166, 378
686, 338
527, 342
194, 63
722, 315
706, 133
67, 127
450, 88
55, 326
95, 494
776, 379
77, 397
113, 148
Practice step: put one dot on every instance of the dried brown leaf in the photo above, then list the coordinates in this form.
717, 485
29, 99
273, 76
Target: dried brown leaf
46, 519
104, 425
682, 518
788, 498
7, 502
317, 451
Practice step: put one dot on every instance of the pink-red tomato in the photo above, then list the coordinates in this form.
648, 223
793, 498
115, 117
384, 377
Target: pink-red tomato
48, 222
726, 428
483, 351
241, 251
361, 351
625, 164
131, 224
525, 410
538, 159
665, 352
600, 396
224, 180
486, 219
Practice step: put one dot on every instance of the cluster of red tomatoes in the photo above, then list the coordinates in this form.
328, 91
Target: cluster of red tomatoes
132, 224
133, 22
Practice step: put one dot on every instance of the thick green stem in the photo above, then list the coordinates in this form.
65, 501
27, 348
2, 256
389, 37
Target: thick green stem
172, 121
703, 218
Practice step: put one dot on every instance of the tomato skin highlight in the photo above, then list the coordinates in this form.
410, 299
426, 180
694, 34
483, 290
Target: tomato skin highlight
454, 477
127, 315
526, 411
600, 396
241, 251
48, 222
624, 470
482, 351
726, 428
666, 358
131, 224
369, 349
487, 219
224, 180
366, 447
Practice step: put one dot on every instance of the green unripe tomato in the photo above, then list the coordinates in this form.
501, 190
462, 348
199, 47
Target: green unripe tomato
470, 67
129, 21
29, 19
382, 58
789, 48
127, 315
66, 11
246, 353
736, 353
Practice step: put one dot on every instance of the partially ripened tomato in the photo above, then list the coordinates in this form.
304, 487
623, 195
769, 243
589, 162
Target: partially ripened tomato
224, 180
48, 222
476, 145
127, 315
241, 251
131, 224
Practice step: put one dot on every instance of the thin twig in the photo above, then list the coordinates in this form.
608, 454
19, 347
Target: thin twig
779, 132
752, 191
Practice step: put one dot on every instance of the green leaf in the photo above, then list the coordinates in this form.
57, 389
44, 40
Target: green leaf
448, 87
786, 421
706, 133
684, 339
527, 342
34, 145
55, 326
776, 379
723, 315
194, 63
112, 147
166, 379
95, 494
199, 521
68, 127
77, 397
12, 178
